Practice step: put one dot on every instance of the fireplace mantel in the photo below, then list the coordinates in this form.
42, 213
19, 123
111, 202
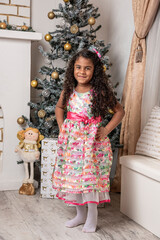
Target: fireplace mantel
15, 69
20, 35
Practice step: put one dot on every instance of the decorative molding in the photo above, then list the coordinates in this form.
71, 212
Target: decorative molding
1, 135
33, 36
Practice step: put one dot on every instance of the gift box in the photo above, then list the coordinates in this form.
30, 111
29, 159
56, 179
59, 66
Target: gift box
48, 155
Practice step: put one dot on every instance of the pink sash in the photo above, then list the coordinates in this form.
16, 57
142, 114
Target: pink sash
85, 119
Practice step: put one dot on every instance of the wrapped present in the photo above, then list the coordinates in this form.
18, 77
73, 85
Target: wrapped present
48, 155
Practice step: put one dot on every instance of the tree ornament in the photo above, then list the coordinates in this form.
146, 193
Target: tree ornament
67, 46
14, 27
91, 21
74, 29
52, 117
66, 1
51, 15
3, 25
34, 83
41, 113
46, 93
20, 120
48, 37
48, 119
104, 68
24, 27
110, 111
55, 75
48, 124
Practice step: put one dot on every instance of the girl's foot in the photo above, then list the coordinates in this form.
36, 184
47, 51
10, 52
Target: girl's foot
91, 222
75, 222
79, 219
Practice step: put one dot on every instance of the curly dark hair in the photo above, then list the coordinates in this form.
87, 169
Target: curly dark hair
103, 96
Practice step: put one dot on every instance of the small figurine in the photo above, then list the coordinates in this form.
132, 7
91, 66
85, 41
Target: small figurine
28, 151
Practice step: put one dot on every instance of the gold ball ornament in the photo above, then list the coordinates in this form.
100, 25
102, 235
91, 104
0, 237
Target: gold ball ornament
34, 83
41, 113
48, 37
24, 27
74, 29
3, 25
51, 15
104, 68
66, 1
110, 111
20, 120
67, 46
91, 21
55, 75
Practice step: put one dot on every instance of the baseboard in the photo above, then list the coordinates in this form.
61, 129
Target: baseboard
13, 185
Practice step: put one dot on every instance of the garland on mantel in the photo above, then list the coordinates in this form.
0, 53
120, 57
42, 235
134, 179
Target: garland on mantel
4, 25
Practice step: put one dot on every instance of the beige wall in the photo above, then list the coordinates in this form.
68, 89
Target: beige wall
117, 28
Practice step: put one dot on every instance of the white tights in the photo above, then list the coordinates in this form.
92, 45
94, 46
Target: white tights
88, 219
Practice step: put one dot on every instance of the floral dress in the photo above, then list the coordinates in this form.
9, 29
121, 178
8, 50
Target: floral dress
83, 164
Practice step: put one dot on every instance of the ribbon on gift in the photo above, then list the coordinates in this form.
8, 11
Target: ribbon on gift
85, 119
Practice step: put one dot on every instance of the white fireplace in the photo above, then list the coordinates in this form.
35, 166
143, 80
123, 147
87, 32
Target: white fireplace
15, 67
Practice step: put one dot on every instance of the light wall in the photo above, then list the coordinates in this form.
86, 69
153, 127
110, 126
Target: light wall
117, 28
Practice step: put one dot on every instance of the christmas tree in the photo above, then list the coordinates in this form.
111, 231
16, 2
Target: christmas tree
75, 32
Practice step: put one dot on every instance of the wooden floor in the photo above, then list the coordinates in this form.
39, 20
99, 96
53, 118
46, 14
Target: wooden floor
35, 218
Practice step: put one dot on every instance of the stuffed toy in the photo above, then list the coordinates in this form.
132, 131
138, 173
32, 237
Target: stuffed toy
28, 150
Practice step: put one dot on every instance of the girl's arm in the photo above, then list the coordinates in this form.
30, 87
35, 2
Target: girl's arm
102, 132
59, 111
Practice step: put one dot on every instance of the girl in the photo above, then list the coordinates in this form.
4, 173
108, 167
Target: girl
84, 157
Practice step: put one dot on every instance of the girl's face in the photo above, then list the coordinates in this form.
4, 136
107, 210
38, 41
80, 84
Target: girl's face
83, 71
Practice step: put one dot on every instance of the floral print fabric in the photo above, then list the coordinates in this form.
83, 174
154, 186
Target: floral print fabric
82, 164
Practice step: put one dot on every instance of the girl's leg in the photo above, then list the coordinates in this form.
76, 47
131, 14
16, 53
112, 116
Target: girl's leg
80, 218
91, 222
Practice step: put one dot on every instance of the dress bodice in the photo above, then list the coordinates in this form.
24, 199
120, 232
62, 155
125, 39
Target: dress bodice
80, 103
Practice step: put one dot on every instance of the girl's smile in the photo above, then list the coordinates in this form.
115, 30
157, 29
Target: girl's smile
83, 71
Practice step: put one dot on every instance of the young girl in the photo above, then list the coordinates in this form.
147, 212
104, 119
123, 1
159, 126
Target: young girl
84, 157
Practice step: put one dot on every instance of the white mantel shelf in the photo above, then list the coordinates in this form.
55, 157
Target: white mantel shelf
20, 35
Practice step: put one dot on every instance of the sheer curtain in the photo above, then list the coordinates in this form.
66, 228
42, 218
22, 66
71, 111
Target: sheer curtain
151, 91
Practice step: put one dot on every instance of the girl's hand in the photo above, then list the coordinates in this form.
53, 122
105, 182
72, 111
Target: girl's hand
102, 132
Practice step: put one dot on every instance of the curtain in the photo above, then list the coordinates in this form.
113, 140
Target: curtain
151, 91
144, 12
